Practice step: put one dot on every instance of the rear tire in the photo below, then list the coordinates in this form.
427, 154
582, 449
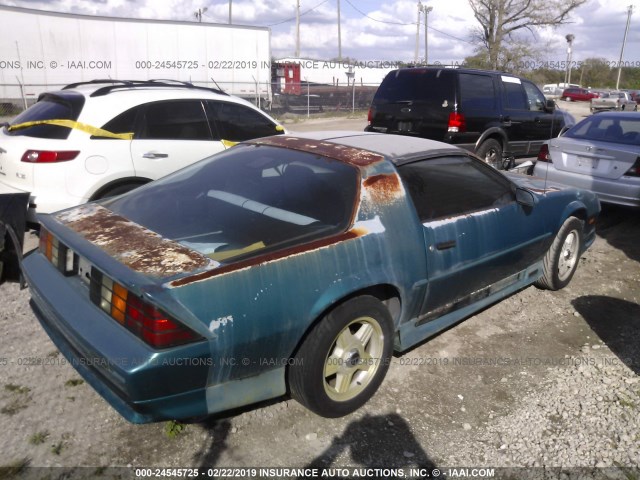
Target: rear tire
491, 152
344, 358
561, 260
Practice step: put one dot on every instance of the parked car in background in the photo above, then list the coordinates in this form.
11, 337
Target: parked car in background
576, 94
292, 264
601, 154
635, 95
613, 101
494, 114
97, 139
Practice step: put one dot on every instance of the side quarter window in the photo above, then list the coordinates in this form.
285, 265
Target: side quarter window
477, 92
453, 185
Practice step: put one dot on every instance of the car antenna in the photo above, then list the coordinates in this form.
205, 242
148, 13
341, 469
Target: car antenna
213, 80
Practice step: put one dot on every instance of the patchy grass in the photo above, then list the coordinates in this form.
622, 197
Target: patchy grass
10, 387
57, 448
173, 428
74, 382
38, 438
14, 469
14, 406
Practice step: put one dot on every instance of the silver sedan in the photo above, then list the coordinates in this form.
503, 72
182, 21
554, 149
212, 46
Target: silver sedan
601, 153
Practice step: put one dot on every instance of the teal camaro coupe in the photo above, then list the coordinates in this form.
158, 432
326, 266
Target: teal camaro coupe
292, 265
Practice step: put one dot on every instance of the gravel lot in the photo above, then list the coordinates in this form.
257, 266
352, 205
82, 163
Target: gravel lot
542, 379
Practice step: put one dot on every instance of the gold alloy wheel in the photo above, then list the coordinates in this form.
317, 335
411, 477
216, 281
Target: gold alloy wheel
568, 255
353, 359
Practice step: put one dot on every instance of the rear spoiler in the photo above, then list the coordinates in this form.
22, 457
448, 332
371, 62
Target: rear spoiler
13, 222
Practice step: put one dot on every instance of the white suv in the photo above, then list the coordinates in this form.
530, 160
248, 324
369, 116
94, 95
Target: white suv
96, 139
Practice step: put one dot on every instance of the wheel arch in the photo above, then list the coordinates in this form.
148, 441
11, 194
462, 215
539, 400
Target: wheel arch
494, 133
139, 181
574, 209
388, 294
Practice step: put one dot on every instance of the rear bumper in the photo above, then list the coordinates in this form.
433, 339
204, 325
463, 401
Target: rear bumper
142, 384
624, 191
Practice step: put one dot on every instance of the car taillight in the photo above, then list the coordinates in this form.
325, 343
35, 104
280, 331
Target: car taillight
49, 156
635, 170
57, 253
457, 123
370, 115
144, 320
543, 154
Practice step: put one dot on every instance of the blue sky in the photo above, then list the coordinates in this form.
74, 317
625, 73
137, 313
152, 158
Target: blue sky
376, 29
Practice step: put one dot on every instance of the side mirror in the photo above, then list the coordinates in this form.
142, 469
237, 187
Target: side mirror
525, 197
550, 105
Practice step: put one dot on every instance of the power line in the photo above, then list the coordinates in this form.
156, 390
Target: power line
375, 19
405, 24
294, 18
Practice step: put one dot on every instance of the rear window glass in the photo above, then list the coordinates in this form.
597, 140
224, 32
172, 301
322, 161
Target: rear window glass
48, 108
604, 128
417, 85
247, 201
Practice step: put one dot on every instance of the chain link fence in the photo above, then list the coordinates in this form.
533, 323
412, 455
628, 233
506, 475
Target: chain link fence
299, 99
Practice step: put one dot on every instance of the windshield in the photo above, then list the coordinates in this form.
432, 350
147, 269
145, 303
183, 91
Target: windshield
246, 201
605, 128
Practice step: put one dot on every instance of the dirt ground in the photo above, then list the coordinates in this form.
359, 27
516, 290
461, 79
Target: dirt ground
438, 406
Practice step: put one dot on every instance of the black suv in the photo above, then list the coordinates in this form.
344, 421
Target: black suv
493, 114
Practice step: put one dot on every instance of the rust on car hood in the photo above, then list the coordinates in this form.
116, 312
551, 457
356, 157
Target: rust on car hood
136, 247
351, 155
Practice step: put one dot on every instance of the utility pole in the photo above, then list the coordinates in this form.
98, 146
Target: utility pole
199, 12
230, 3
624, 41
339, 35
297, 28
426, 11
567, 76
415, 57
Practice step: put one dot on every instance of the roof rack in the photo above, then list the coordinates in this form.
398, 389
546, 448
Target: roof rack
124, 84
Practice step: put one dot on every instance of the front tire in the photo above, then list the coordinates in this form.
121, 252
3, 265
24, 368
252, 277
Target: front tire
344, 358
561, 260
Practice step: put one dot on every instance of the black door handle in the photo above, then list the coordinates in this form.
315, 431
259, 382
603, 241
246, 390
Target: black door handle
446, 245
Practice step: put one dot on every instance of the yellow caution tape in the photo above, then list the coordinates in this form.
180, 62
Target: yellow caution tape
228, 143
74, 125
220, 256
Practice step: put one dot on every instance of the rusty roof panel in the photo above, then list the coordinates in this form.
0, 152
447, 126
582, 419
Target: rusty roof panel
131, 244
351, 155
384, 188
